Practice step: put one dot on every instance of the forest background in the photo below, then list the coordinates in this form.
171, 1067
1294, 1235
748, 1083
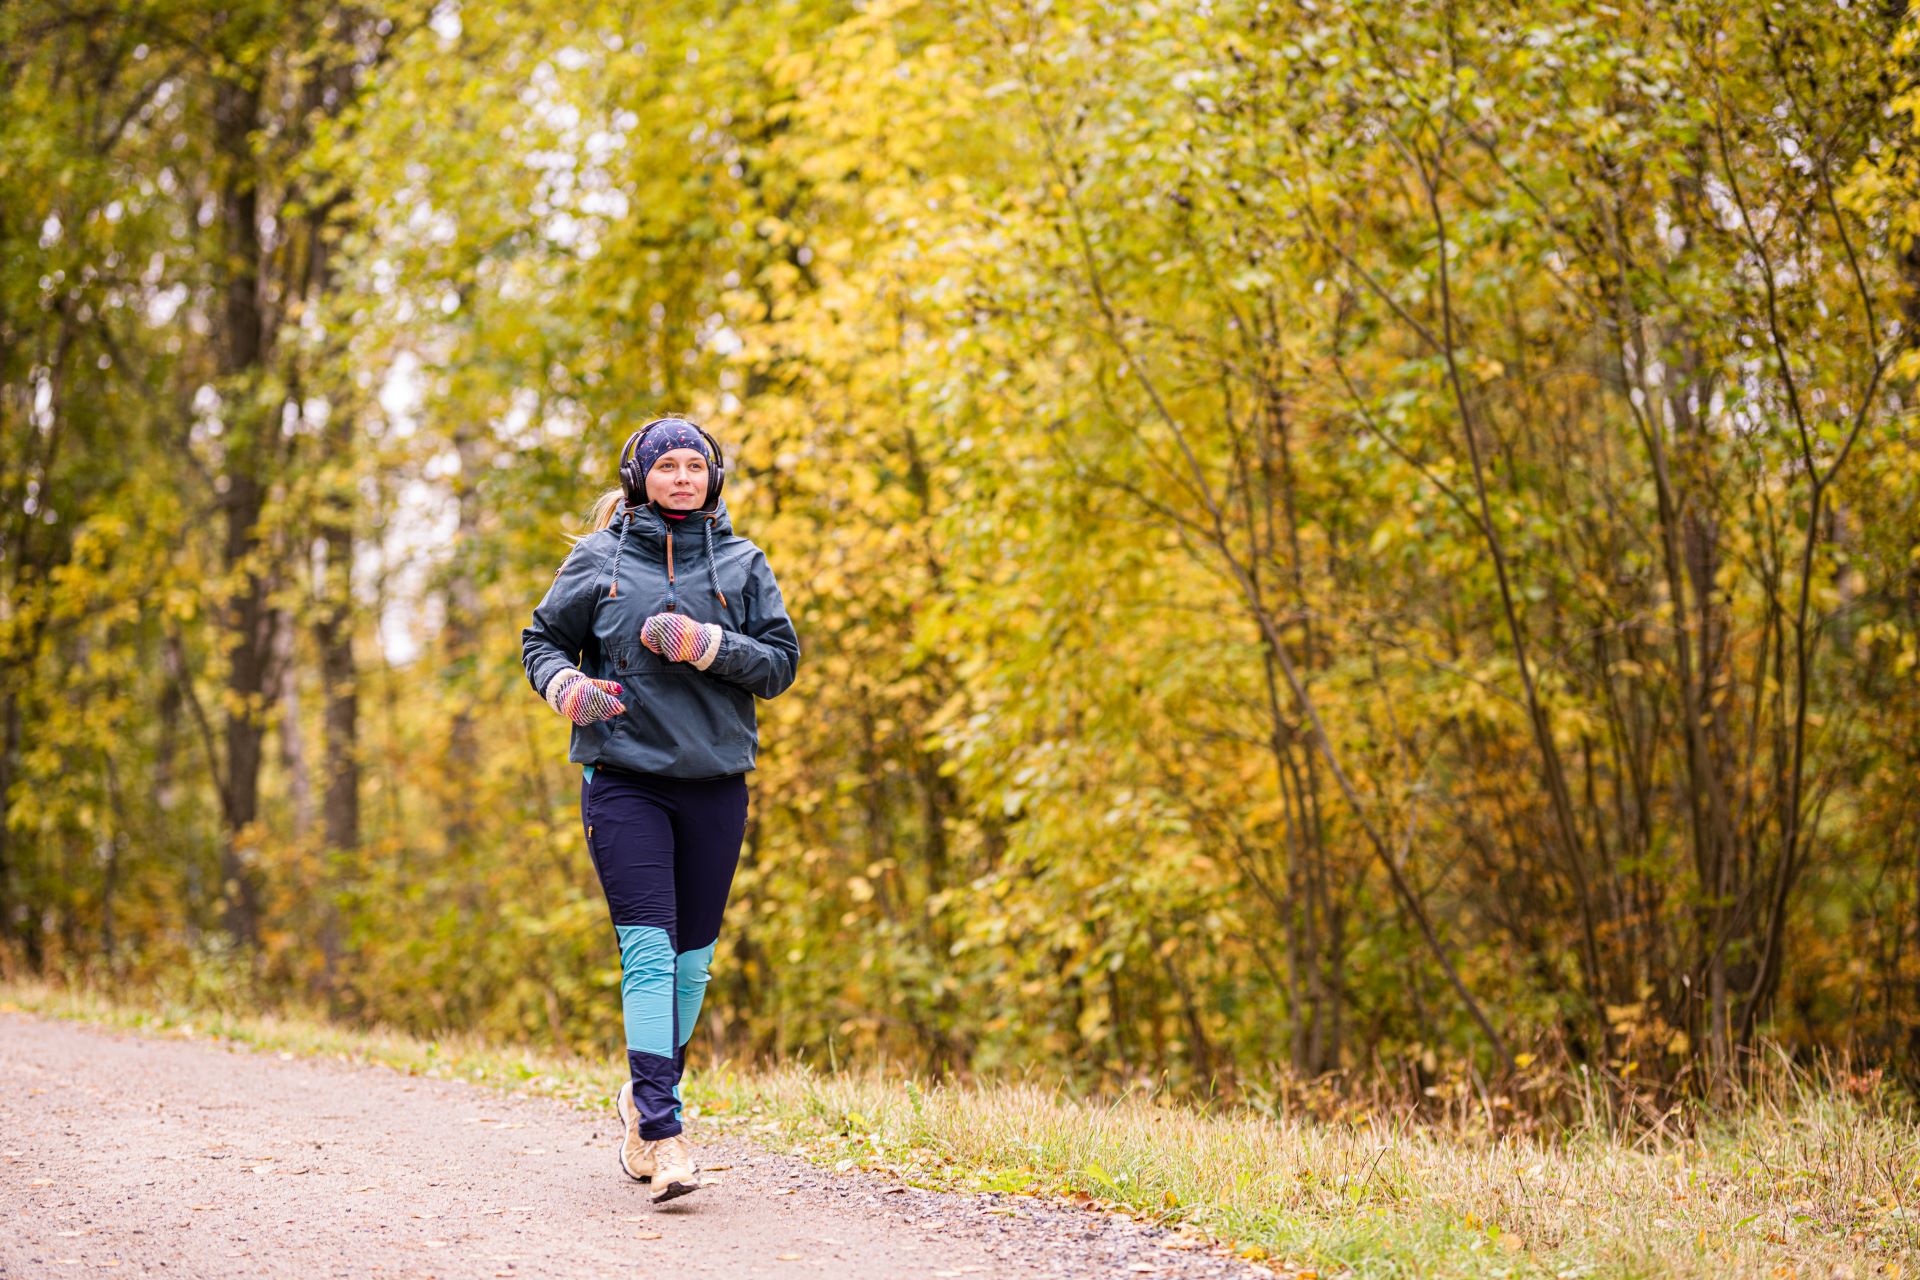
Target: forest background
1327, 536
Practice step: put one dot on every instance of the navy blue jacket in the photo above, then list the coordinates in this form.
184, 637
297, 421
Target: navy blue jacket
680, 722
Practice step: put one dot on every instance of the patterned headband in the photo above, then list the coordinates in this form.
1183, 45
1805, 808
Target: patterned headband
671, 434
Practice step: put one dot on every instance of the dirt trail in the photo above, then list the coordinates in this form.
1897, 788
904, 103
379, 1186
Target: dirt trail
130, 1155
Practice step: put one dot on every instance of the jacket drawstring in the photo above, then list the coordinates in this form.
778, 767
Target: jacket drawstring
713, 574
626, 519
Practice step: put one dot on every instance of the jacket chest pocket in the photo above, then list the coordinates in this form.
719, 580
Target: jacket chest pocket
629, 657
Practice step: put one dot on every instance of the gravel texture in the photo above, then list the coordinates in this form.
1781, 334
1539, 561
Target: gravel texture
134, 1155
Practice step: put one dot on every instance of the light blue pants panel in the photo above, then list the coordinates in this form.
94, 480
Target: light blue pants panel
690, 986
647, 988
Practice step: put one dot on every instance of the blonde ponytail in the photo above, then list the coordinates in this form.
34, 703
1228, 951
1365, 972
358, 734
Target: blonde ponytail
602, 513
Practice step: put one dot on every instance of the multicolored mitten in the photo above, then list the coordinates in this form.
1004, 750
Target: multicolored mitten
582, 699
678, 638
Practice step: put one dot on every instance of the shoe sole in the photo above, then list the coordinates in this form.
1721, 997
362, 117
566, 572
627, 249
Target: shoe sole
620, 1151
674, 1190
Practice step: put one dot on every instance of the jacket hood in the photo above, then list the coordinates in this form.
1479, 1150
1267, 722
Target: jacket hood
644, 530
651, 527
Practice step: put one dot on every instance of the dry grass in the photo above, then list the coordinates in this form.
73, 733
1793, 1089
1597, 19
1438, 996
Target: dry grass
1804, 1181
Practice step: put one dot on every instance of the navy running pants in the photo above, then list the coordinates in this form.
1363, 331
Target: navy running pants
665, 849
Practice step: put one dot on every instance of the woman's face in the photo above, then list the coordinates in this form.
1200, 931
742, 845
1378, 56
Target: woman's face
678, 480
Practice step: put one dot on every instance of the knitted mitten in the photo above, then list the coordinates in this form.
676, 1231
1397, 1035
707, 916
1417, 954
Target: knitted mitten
678, 638
582, 699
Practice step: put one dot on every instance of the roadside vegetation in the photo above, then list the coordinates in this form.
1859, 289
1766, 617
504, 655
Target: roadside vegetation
1809, 1174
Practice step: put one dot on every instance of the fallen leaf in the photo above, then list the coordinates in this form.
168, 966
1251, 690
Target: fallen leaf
788, 1257
41, 1182
426, 1215
368, 1187
646, 1235
200, 1206
715, 1168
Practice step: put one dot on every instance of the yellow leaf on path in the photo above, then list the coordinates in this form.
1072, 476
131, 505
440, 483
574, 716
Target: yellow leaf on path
646, 1235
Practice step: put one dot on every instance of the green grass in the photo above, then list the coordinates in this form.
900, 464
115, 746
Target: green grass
1805, 1180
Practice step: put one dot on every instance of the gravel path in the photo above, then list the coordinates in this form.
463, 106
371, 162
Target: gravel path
136, 1155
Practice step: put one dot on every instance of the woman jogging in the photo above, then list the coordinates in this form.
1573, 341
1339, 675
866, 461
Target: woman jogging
660, 629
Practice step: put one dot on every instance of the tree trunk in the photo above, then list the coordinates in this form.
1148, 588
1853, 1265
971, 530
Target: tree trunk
293, 752
462, 639
240, 350
333, 637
